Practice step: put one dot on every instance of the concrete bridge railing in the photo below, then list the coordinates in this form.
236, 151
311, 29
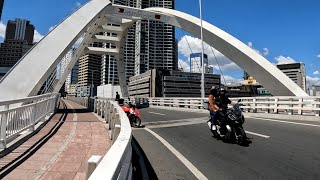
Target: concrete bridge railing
116, 164
22, 114
276, 104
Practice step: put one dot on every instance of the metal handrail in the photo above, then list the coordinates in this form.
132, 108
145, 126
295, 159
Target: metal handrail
21, 114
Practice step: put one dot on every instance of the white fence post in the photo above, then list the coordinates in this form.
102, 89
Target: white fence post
254, 105
33, 116
268, 105
317, 112
276, 105
290, 111
107, 112
3, 134
95, 104
92, 164
116, 128
56, 103
112, 111
300, 105
102, 109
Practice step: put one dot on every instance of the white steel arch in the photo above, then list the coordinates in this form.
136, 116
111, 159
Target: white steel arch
26, 78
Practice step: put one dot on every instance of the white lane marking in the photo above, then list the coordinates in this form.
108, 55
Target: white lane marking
257, 134
157, 113
184, 160
288, 122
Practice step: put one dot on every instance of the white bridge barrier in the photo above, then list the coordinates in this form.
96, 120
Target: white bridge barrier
23, 114
116, 164
276, 104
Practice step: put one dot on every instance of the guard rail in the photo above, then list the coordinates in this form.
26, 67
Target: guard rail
116, 164
276, 104
22, 114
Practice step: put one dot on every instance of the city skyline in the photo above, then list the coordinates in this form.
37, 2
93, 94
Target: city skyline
282, 36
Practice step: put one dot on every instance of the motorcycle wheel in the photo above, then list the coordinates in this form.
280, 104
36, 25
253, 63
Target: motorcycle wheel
136, 122
215, 134
242, 139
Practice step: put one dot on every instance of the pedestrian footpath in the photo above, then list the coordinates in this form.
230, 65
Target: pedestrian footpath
77, 135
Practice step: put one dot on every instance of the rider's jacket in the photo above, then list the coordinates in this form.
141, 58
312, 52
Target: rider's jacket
212, 103
222, 102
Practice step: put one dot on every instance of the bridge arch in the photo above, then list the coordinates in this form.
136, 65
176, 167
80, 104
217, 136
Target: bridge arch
26, 78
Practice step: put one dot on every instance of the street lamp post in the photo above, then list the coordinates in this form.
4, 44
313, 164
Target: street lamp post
202, 59
91, 93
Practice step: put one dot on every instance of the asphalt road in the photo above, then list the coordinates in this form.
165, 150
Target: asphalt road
279, 150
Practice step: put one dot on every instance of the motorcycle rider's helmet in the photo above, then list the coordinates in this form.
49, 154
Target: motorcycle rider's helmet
213, 91
222, 91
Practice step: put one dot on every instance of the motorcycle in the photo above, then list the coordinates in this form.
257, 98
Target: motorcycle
133, 114
234, 121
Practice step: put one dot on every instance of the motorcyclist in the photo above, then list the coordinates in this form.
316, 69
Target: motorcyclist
213, 108
222, 102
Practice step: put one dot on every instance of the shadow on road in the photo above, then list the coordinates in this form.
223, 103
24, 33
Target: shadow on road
141, 166
61, 111
246, 143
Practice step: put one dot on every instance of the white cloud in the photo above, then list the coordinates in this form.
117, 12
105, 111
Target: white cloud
313, 81
265, 51
37, 36
78, 4
230, 80
213, 54
2, 30
184, 66
52, 27
250, 44
316, 73
227, 67
284, 60
318, 55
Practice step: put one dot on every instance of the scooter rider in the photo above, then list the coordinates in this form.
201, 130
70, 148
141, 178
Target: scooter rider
222, 102
212, 105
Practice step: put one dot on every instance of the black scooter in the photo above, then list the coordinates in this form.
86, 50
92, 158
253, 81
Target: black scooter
234, 122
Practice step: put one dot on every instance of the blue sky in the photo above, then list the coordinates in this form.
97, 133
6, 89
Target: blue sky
283, 31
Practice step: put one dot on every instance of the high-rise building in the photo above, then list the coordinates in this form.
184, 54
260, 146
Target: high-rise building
89, 70
11, 51
20, 29
18, 40
155, 41
1, 7
196, 63
149, 44
296, 72
109, 73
